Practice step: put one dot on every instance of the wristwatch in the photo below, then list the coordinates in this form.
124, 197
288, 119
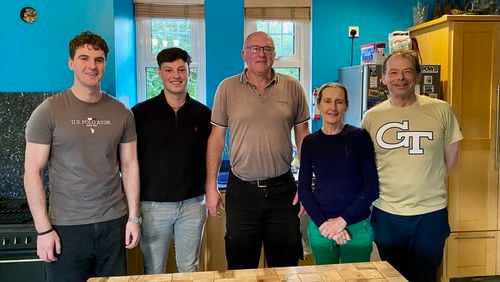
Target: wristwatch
137, 220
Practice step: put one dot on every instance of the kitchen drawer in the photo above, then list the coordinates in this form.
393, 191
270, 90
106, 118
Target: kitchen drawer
472, 254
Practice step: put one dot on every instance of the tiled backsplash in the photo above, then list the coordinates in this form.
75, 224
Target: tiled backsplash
15, 109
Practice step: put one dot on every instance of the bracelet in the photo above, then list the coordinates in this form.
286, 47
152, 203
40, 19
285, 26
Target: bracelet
45, 232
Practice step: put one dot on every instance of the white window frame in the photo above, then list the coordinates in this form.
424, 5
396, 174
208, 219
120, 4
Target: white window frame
146, 59
302, 58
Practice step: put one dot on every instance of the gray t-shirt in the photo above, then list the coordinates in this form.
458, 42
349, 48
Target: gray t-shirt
84, 179
260, 123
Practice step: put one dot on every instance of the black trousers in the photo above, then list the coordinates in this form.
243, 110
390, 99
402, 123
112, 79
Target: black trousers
89, 250
261, 216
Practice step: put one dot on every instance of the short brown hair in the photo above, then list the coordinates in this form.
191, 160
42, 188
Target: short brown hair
410, 54
89, 38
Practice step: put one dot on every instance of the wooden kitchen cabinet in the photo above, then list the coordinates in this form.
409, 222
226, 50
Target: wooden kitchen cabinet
470, 253
468, 50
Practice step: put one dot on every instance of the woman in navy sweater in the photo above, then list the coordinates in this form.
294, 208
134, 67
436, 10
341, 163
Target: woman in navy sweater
342, 159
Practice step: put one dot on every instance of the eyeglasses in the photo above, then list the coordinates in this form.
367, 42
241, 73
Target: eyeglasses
256, 49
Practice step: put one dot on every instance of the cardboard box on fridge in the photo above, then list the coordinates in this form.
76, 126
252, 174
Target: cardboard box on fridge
373, 53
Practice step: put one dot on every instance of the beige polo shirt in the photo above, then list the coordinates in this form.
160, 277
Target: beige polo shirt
260, 123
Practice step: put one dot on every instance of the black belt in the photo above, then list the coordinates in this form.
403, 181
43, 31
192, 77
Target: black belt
285, 178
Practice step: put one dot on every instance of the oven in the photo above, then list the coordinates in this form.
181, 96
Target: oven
18, 258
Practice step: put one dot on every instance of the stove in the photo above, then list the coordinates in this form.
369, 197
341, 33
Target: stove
18, 258
17, 231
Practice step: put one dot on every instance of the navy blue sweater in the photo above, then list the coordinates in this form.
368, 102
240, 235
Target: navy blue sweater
346, 175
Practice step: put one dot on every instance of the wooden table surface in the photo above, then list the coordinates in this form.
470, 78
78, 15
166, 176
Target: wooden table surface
367, 271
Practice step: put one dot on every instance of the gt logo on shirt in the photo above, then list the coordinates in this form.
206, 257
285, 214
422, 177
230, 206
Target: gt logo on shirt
409, 139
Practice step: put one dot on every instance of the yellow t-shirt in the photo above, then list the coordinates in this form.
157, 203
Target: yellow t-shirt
409, 145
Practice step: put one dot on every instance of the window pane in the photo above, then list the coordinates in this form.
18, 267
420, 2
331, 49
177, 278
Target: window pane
278, 46
170, 33
288, 45
154, 84
295, 72
263, 26
192, 87
275, 27
283, 34
288, 27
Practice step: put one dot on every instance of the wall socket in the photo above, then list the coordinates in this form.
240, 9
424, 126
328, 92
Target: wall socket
353, 30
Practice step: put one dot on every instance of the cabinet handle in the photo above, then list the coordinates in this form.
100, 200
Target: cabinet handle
498, 127
475, 237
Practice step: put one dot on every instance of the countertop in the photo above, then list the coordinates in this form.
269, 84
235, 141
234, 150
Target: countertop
368, 271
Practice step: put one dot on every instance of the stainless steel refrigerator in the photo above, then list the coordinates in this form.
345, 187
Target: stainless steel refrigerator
364, 88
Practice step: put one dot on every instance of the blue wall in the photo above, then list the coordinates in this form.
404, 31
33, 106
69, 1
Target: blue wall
124, 38
331, 45
35, 56
224, 40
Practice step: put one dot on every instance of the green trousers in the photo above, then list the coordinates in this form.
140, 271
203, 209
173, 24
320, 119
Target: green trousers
358, 249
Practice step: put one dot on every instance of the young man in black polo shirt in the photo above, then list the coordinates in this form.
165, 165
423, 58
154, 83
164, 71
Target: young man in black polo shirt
172, 133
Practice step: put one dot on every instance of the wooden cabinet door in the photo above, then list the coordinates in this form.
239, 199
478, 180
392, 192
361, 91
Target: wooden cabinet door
474, 70
472, 254
434, 43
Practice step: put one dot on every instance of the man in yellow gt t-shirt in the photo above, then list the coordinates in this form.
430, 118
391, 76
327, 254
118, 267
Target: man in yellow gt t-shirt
416, 141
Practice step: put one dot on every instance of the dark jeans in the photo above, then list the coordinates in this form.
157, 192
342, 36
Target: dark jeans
412, 244
90, 250
257, 216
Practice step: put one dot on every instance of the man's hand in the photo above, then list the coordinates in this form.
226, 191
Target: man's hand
48, 246
132, 234
213, 201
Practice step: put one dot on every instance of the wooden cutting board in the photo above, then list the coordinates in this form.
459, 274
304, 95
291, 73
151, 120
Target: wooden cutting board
368, 271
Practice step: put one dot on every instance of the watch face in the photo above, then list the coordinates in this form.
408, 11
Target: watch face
28, 14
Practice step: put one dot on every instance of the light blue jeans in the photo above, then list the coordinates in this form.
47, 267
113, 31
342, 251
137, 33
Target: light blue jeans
162, 221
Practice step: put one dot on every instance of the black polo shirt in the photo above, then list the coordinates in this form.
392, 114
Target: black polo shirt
171, 149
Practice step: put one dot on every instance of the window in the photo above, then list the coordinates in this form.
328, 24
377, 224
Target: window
153, 35
292, 43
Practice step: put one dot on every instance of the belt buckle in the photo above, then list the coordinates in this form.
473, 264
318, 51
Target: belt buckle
259, 185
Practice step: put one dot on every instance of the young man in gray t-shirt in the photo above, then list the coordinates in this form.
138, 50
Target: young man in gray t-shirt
87, 139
